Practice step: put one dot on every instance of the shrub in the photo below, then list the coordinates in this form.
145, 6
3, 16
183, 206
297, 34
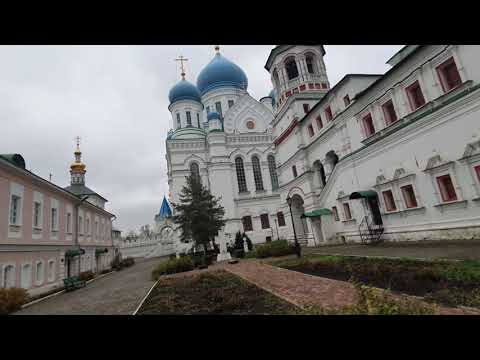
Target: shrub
173, 266
105, 271
199, 259
116, 263
12, 300
129, 261
275, 248
238, 253
86, 275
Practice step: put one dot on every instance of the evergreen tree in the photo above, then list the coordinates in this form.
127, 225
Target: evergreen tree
199, 214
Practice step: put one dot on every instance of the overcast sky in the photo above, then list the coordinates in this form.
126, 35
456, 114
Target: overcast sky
116, 99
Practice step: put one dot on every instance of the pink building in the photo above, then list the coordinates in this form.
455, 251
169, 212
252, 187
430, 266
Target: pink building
48, 233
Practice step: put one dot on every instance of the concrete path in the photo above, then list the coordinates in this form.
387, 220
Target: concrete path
118, 293
458, 250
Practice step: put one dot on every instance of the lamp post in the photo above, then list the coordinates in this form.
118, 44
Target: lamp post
297, 245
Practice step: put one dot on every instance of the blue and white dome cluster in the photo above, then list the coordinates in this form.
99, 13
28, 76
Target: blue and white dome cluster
220, 72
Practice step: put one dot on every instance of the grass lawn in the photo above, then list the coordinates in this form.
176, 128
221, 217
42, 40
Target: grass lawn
212, 293
449, 283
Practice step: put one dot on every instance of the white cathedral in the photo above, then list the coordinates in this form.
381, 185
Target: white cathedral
392, 156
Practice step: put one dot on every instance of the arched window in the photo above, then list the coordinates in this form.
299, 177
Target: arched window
51, 270
273, 171
39, 273
195, 171
257, 173
242, 183
8, 276
332, 158
320, 173
276, 79
26, 276
310, 59
291, 68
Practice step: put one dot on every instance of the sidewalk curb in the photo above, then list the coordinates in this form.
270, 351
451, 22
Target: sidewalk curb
62, 291
145, 297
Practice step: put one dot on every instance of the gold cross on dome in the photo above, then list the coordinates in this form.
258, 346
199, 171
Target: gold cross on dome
78, 141
182, 59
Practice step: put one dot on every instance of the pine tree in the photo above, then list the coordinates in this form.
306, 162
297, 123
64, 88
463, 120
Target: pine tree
199, 214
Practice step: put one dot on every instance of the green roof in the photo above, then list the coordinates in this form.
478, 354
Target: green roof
74, 252
101, 251
362, 194
317, 213
15, 159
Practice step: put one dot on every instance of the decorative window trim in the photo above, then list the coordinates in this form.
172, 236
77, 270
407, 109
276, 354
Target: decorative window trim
31, 275
4, 266
51, 278
437, 167
400, 179
39, 282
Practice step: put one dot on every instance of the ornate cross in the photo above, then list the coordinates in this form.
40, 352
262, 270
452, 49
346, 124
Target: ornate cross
78, 141
182, 59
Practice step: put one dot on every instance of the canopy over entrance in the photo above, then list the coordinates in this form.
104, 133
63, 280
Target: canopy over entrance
363, 195
317, 213
101, 251
75, 252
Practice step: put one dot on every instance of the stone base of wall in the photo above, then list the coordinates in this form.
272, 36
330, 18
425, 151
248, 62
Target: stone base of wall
467, 233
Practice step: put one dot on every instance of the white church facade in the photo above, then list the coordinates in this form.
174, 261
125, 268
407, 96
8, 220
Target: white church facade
394, 156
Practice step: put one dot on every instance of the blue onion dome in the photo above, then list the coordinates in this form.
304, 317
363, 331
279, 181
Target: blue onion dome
184, 90
213, 116
221, 72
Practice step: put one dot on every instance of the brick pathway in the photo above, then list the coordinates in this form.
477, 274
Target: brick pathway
116, 294
302, 289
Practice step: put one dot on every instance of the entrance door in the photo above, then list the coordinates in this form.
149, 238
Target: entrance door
69, 267
375, 210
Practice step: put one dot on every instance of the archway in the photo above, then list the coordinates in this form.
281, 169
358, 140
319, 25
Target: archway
320, 178
297, 211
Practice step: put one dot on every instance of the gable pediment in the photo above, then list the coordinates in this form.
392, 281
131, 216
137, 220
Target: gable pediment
246, 110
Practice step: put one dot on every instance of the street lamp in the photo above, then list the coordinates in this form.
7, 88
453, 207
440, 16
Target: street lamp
297, 245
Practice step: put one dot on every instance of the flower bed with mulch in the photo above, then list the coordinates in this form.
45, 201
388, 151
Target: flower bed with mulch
212, 293
449, 283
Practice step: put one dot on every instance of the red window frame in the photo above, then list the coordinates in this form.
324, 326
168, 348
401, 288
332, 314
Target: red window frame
389, 112
347, 211
368, 126
389, 200
265, 221
446, 187
335, 213
311, 132
415, 96
328, 113
448, 75
346, 100
281, 219
247, 223
306, 108
319, 122
477, 171
324, 85
409, 196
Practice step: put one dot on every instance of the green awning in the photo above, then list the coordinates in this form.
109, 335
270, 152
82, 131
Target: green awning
101, 251
75, 252
316, 213
363, 194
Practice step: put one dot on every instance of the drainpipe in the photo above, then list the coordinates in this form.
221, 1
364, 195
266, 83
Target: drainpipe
77, 243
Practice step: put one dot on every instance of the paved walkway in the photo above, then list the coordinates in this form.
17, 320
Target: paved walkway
302, 289
459, 250
118, 293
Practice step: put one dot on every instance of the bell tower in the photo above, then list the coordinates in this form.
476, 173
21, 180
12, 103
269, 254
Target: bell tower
297, 69
77, 169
